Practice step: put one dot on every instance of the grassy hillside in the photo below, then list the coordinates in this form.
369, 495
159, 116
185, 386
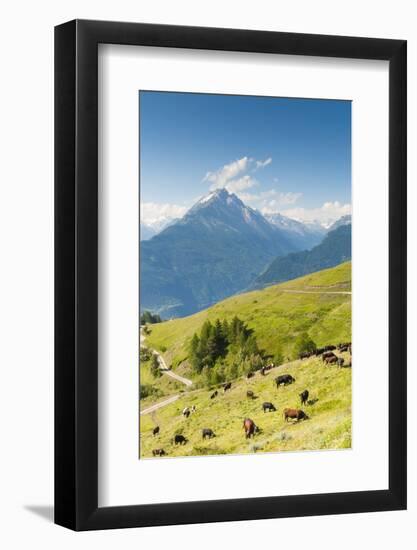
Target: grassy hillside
162, 386
329, 426
314, 303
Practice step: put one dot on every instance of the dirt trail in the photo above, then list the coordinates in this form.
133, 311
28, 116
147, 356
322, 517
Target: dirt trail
160, 405
316, 292
163, 367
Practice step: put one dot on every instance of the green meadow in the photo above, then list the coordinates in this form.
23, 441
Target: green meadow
328, 426
276, 314
318, 304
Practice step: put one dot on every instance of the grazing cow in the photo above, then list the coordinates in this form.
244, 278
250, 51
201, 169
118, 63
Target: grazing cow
250, 428
227, 386
262, 371
207, 432
250, 375
186, 412
296, 414
284, 379
306, 354
214, 394
179, 439
304, 397
340, 361
193, 409
250, 394
267, 406
327, 354
344, 346
158, 452
332, 359
155, 431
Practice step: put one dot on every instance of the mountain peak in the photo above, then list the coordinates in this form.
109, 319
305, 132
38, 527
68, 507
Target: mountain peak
218, 197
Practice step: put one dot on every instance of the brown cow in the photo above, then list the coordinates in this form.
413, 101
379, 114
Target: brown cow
250, 394
250, 428
330, 360
296, 414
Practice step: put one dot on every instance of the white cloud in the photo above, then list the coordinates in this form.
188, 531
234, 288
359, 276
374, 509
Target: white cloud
245, 182
326, 214
226, 176
156, 214
263, 163
270, 201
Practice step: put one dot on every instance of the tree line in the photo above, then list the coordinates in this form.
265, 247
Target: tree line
149, 318
224, 350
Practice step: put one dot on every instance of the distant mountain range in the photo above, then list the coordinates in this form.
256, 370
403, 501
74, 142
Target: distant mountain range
344, 220
335, 248
216, 250
149, 230
303, 235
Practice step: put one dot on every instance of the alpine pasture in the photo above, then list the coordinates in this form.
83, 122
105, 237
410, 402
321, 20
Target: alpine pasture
318, 305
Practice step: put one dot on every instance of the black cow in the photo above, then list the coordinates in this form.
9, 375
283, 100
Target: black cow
207, 432
267, 406
304, 397
214, 394
158, 452
327, 355
179, 439
227, 386
284, 379
155, 431
250, 375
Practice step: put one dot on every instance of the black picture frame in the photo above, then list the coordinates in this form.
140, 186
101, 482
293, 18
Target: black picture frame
76, 272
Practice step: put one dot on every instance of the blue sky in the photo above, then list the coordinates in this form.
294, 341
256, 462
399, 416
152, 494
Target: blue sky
278, 154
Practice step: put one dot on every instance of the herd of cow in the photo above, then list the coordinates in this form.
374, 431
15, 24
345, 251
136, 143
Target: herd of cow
328, 357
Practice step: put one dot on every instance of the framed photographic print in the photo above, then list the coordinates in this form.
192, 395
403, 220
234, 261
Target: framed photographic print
230, 234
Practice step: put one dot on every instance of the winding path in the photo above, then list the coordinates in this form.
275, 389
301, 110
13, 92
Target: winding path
159, 405
289, 291
163, 367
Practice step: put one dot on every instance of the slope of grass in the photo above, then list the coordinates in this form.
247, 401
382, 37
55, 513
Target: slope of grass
163, 386
277, 316
329, 426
